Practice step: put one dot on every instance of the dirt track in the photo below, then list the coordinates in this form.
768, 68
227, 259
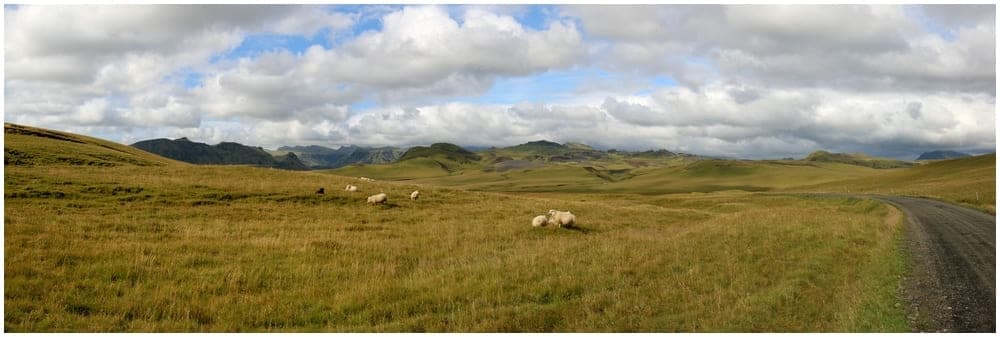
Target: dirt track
952, 286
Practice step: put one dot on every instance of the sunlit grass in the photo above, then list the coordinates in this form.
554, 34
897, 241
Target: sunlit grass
183, 248
966, 181
141, 244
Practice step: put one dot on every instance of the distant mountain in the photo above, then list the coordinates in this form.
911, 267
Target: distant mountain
225, 153
446, 151
320, 157
290, 162
543, 150
858, 159
653, 154
935, 155
539, 146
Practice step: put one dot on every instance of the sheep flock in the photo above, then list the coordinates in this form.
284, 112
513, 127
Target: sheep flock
561, 219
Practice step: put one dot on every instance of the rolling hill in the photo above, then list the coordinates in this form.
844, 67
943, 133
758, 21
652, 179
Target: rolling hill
970, 181
858, 159
225, 153
30, 146
439, 159
547, 151
445, 151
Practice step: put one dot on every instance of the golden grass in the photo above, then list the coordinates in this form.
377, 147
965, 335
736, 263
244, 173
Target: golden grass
185, 248
98, 238
970, 182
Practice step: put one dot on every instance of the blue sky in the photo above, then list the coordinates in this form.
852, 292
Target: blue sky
549, 86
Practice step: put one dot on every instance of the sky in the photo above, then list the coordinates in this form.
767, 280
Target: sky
744, 81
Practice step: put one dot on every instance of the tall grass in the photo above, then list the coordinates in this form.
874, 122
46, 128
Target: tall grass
185, 248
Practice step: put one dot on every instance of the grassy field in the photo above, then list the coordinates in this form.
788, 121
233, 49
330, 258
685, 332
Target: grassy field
970, 182
103, 238
663, 177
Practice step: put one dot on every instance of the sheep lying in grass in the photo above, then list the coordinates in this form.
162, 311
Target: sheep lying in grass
539, 221
561, 219
414, 195
351, 188
366, 179
320, 191
378, 199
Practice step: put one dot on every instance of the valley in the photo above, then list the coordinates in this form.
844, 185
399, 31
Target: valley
104, 237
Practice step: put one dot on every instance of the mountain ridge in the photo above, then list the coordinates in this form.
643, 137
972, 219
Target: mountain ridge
224, 153
942, 154
321, 157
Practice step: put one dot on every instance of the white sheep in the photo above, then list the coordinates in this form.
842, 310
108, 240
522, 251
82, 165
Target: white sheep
366, 179
561, 219
539, 221
351, 188
380, 198
414, 195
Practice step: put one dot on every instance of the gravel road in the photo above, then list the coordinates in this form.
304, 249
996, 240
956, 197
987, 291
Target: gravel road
952, 284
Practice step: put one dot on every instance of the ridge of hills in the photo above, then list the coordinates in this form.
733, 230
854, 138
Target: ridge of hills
446, 151
321, 157
225, 153
937, 155
449, 157
859, 159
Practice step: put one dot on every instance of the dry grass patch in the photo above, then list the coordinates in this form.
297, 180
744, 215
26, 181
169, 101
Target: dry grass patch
184, 248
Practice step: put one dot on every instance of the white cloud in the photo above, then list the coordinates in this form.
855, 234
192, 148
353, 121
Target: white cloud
137, 54
755, 81
838, 120
831, 46
423, 51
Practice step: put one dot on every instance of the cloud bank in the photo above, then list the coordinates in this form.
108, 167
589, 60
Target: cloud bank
741, 81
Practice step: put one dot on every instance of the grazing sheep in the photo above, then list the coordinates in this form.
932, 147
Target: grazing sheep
378, 199
561, 219
366, 179
414, 195
539, 221
320, 191
351, 188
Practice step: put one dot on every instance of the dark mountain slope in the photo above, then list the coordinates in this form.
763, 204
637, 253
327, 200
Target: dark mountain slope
225, 153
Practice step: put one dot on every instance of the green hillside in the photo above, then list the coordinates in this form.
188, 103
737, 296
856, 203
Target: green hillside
618, 175
445, 151
717, 175
30, 146
440, 159
858, 159
547, 151
415, 168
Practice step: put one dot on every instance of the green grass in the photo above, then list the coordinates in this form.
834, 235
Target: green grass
176, 247
859, 159
677, 176
406, 170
